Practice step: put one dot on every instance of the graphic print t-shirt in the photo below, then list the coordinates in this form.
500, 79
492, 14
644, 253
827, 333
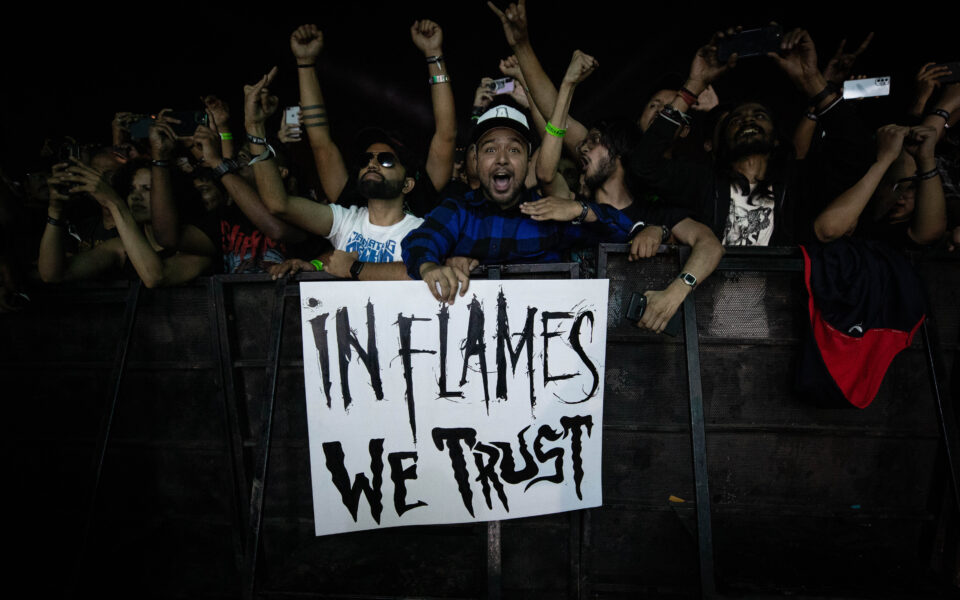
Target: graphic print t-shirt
352, 231
750, 221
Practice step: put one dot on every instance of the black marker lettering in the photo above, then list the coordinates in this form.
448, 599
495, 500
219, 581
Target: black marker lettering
405, 324
488, 473
546, 432
578, 348
475, 344
399, 476
504, 345
351, 494
508, 470
443, 317
346, 338
319, 326
453, 437
573, 425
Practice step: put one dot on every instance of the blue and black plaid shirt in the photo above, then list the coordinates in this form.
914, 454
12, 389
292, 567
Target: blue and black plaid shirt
474, 227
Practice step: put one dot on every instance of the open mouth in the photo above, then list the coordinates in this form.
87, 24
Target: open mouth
502, 182
749, 131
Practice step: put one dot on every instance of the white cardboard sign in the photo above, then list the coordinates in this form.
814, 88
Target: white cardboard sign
421, 413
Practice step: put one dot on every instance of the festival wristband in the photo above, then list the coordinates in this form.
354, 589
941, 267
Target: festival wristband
434, 59
226, 136
555, 131
160, 163
256, 140
439, 79
928, 175
317, 264
306, 65
56, 222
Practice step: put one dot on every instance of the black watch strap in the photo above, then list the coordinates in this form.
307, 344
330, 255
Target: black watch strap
355, 269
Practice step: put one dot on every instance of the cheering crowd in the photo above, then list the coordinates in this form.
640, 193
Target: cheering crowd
180, 195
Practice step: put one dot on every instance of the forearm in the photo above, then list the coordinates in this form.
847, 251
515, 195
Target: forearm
253, 207
552, 146
705, 255
391, 271
164, 215
443, 144
803, 137
52, 259
145, 260
930, 215
326, 155
841, 215
541, 90
227, 144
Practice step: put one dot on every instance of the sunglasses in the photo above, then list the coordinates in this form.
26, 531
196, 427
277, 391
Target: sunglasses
385, 159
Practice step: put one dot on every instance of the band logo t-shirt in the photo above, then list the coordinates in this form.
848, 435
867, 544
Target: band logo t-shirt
352, 231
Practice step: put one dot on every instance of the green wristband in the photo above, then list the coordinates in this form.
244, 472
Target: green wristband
555, 131
317, 264
226, 136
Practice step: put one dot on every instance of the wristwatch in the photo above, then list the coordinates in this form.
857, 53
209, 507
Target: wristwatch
355, 269
688, 279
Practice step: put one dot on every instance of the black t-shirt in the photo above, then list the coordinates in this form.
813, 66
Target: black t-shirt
244, 248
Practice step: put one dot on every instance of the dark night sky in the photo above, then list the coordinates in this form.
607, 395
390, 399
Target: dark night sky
68, 72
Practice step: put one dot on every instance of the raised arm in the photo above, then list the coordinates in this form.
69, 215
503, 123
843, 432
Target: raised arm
929, 220
242, 192
539, 87
53, 264
306, 214
152, 269
164, 212
428, 38
841, 216
581, 65
306, 42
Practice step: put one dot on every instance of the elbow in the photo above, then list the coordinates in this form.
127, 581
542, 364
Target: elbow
167, 239
48, 276
827, 231
928, 238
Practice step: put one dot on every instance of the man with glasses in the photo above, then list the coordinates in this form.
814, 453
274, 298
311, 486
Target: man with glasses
366, 238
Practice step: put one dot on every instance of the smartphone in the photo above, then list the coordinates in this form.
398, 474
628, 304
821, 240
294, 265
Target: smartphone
503, 85
954, 75
638, 304
866, 88
291, 115
750, 42
189, 119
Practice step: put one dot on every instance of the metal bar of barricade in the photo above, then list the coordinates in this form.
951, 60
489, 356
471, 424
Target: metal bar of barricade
494, 547
261, 460
698, 440
106, 424
948, 418
220, 333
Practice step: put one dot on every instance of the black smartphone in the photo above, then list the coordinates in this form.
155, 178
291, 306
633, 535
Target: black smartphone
189, 119
750, 42
638, 304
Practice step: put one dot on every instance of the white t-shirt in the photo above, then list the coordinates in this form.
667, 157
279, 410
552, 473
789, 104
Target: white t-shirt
352, 231
750, 220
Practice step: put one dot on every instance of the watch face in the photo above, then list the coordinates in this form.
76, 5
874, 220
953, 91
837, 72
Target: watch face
688, 279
